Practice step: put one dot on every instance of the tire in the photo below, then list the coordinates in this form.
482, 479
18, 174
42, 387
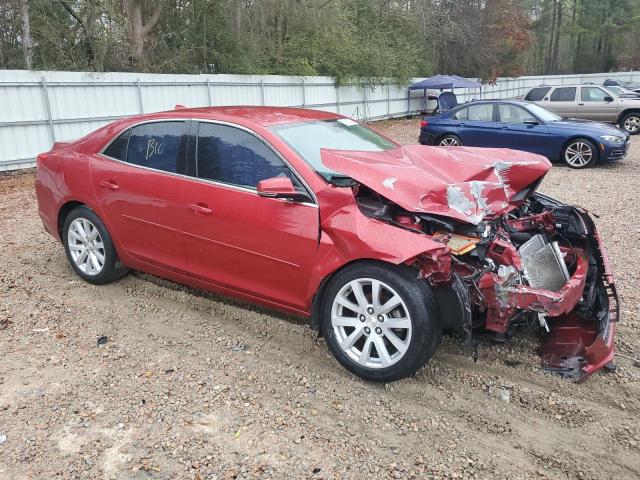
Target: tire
630, 123
393, 353
89, 247
449, 140
579, 153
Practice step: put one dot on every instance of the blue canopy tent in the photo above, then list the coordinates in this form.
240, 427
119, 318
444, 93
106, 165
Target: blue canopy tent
441, 82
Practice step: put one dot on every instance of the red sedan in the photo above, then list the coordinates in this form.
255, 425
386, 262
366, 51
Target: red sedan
383, 247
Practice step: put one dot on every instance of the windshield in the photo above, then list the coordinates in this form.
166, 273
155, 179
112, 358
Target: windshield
543, 114
341, 134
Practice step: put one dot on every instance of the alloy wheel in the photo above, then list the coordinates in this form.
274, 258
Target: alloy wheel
578, 154
449, 142
371, 323
632, 124
86, 246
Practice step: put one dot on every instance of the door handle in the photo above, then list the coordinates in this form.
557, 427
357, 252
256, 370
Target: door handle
109, 185
581, 104
461, 124
200, 208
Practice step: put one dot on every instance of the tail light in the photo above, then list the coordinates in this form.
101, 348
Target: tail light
423, 123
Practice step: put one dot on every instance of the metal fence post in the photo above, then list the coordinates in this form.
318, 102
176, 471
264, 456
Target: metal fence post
140, 105
262, 96
388, 98
337, 97
209, 91
304, 93
364, 102
45, 93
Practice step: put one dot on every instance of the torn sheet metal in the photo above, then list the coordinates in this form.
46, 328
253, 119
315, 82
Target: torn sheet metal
455, 182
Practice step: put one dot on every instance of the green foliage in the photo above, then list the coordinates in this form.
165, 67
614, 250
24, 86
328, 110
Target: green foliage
346, 39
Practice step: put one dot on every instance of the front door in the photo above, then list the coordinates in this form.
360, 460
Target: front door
139, 193
521, 130
262, 247
593, 106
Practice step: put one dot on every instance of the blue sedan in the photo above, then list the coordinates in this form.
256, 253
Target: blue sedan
525, 126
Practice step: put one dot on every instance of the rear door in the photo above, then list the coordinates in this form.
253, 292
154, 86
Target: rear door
138, 186
479, 128
263, 247
521, 130
561, 101
593, 106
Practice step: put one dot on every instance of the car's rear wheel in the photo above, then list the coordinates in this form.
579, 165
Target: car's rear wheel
449, 141
579, 153
89, 247
379, 321
631, 123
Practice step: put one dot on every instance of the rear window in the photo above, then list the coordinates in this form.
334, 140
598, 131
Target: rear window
537, 94
156, 145
564, 94
118, 148
460, 114
481, 113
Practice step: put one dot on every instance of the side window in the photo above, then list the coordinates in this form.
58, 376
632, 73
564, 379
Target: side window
481, 113
460, 114
564, 94
231, 155
513, 114
592, 94
118, 148
537, 94
157, 145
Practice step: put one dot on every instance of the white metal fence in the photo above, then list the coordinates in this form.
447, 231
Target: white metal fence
39, 108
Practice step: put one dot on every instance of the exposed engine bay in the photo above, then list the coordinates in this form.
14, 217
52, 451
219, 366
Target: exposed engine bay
539, 265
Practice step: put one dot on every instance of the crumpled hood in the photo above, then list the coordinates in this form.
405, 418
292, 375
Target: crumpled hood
464, 183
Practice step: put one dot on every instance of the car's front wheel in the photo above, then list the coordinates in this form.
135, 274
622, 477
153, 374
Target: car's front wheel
380, 321
89, 247
579, 153
630, 123
450, 141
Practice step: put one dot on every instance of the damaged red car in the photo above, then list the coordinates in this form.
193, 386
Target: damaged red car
382, 247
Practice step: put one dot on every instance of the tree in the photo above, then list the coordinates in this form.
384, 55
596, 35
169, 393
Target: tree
138, 29
27, 41
346, 39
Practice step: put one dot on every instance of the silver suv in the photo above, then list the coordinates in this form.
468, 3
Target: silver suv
591, 102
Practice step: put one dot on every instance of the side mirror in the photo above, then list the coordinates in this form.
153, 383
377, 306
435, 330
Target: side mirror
279, 187
608, 98
531, 121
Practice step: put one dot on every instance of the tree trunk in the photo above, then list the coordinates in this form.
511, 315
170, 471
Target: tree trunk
549, 60
27, 41
138, 30
89, 50
556, 42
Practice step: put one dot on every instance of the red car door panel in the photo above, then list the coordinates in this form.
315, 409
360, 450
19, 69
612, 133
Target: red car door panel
258, 245
142, 206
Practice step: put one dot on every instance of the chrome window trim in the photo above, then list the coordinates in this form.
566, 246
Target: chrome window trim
206, 180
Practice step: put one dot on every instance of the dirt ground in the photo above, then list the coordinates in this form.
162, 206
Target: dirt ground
188, 385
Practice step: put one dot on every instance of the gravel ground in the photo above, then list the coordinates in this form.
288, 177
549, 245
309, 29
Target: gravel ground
191, 386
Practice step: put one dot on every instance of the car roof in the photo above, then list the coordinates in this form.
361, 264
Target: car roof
265, 116
480, 102
587, 84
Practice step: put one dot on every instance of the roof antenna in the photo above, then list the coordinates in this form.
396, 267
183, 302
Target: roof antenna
179, 107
